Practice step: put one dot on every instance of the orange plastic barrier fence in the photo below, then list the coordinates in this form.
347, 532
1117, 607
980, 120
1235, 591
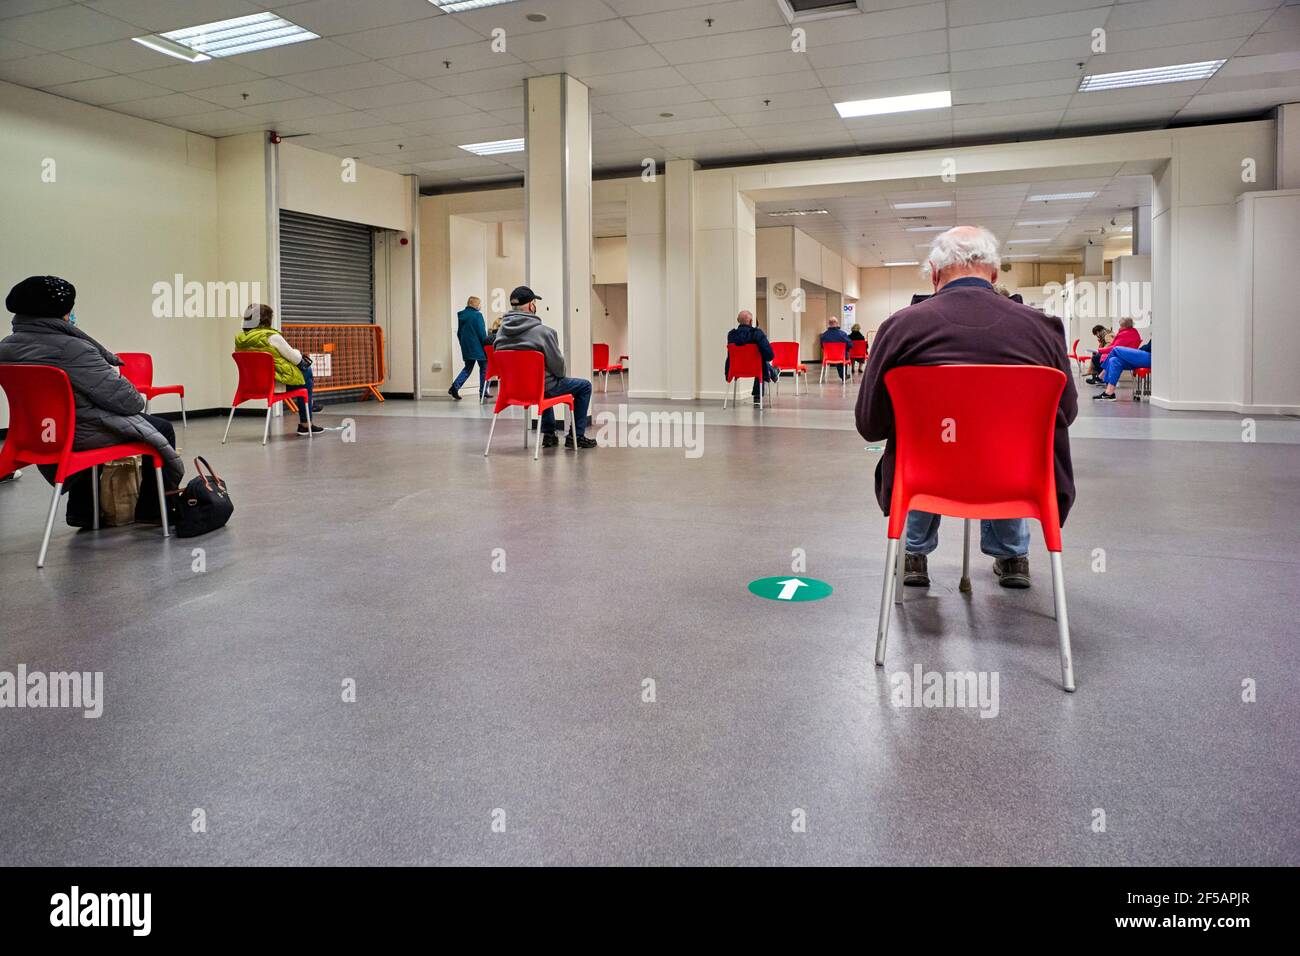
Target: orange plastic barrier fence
343, 356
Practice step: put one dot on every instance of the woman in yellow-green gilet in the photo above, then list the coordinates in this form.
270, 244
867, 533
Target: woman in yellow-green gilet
292, 368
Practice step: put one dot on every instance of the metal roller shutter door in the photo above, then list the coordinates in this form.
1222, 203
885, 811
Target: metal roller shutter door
327, 270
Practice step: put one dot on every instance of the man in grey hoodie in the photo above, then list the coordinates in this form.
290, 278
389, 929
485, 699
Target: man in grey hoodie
521, 329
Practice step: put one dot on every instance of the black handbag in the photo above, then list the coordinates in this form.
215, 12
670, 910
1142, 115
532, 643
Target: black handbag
201, 506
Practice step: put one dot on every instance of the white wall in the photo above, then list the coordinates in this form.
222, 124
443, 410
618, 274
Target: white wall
609, 318
1268, 225
314, 183
609, 260
132, 203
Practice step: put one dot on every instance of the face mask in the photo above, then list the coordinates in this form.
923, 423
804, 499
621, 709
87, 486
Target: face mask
72, 318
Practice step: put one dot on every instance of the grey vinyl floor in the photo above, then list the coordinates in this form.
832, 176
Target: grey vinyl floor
501, 716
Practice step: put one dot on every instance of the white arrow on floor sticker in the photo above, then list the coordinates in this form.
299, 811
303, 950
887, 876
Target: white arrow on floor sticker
789, 587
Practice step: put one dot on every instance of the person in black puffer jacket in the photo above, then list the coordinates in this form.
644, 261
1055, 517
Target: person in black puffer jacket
108, 407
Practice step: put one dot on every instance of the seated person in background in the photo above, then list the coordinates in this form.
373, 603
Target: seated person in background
108, 408
1119, 361
855, 335
1127, 337
1102, 334
493, 329
292, 368
834, 333
747, 333
521, 329
472, 336
965, 323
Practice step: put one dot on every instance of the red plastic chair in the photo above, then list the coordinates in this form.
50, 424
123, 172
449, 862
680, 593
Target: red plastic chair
523, 382
489, 375
1084, 360
959, 453
42, 428
745, 361
1140, 387
137, 369
600, 362
834, 353
857, 353
785, 358
257, 384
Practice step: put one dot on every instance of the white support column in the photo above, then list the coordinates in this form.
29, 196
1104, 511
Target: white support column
1288, 146
1093, 259
1199, 307
679, 243
1141, 230
646, 318
725, 270
557, 205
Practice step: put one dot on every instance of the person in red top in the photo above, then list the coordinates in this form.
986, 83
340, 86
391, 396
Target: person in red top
1126, 338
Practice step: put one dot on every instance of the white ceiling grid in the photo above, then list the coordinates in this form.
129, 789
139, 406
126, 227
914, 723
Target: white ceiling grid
400, 85
390, 73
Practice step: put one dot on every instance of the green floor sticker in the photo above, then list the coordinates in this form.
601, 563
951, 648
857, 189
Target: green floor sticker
784, 588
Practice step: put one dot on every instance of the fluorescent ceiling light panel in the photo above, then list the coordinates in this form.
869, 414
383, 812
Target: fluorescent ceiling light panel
1041, 222
937, 204
910, 263
260, 31
496, 147
460, 6
1179, 73
799, 212
1026, 242
894, 104
1060, 197
1127, 229
1025, 255
928, 228
161, 45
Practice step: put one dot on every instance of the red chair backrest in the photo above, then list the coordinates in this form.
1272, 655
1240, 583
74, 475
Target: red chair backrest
599, 355
976, 441
858, 350
523, 378
489, 350
834, 351
42, 413
744, 361
256, 375
137, 368
785, 355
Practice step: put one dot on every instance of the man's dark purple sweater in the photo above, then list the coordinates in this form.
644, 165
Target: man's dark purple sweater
965, 323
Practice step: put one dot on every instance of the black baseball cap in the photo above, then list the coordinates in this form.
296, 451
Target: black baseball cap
523, 295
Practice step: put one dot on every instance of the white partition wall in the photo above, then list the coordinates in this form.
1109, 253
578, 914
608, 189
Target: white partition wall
557, 211
679, 276
647, 321
1268, 233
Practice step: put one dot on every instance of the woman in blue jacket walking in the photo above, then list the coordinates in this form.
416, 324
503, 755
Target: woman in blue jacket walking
473, 336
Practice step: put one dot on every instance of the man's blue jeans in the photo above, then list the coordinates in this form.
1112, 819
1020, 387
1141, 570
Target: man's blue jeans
999, 538
580, 389
469, 367
309, 383
1121, 360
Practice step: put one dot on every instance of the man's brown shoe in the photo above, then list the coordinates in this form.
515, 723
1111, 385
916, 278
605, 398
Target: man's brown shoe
916, 574
1012, 572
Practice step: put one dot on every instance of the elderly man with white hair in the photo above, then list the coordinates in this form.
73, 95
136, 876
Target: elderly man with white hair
966, 322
